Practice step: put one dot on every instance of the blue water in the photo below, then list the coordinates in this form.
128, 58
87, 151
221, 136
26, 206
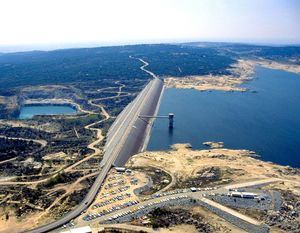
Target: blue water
28, 112
267, 122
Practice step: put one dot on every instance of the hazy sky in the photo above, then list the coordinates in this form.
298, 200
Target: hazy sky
24, 22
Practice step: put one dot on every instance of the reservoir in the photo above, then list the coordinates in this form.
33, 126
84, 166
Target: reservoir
265, 119
28, 111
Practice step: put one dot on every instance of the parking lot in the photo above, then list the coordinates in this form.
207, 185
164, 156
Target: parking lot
141, 205
117, 201
115, 194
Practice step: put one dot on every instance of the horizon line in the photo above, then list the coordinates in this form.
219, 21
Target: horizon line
10, 48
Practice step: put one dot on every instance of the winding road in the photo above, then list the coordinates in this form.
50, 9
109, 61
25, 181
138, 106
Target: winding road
128, 134
43, 143
125, 138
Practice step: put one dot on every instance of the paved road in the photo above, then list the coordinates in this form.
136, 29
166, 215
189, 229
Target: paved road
125, 138
230, 211
127, 135
167, 200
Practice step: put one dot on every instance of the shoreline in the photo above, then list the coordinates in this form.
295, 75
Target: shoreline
242, 72
48, 104
186, 161
278, 66
51, 102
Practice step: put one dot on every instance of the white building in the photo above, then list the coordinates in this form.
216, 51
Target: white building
242, 194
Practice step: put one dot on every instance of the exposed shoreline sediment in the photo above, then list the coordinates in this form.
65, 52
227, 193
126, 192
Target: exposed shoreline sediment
241, 72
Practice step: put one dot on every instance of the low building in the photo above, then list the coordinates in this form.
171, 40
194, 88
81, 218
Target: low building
242, 195
235, 194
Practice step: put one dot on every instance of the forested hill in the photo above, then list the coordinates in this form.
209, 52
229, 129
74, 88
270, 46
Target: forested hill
79, 65
287, 53
65, 66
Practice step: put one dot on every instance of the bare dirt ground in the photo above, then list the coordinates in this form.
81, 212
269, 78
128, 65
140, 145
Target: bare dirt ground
47, 127
236, 166
36, 218
175, 229
219, 225
278, 66
14, 225
242, 72
179, 229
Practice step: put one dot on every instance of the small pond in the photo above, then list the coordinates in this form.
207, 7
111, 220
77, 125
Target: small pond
29, 111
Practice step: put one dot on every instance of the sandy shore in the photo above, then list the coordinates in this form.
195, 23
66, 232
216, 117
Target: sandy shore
242, 72
277, 65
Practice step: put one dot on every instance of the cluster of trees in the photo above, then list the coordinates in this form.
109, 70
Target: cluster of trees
96, 95
79, 122
60, 178
280, 53
22, 132
65, 66
107, 63
167, 217
116, 105
25, 195
90, 64
180, 60
7, 112
63, 140
15, 168
12, 148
